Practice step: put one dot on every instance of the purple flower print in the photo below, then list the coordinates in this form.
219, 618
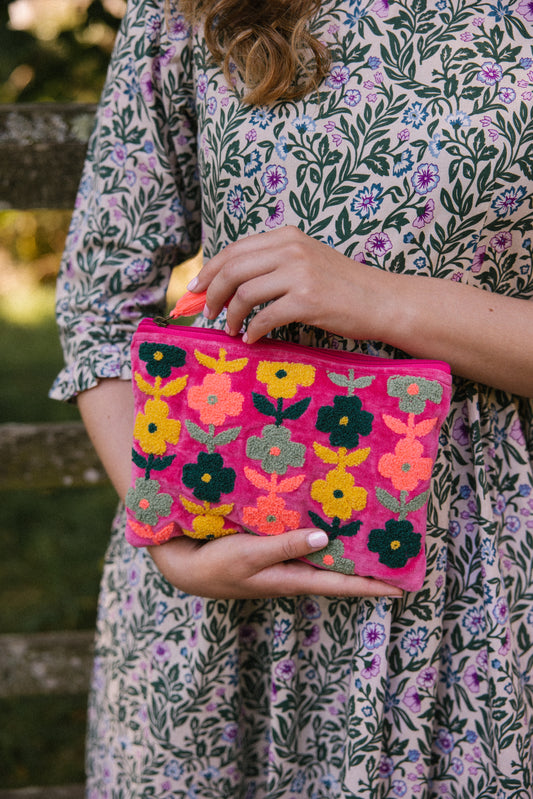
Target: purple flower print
445, 741
509, 201
235, 202
507, 95
201, 85
338, 76
230, 733
477, 260
147, 86
500, 611
378, 243
310, 609
425, 215
490, 73
178, 29
119, 154
277, 217
211, 105
251, 135
427, 677
274, 179
412, 699
352, 97
399, 787
386, 767
161, 652
525, 8
313, 636
285, 670
501, 241
373, 635
425, 178
472, 679
367, 201
372, 670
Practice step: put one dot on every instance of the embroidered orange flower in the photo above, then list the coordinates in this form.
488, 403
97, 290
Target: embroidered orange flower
406, 468
338, 495
271, 516
153, 429
283, 379
215, 400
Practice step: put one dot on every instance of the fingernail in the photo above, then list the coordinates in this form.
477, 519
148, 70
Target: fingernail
193, 284
226, 329
206, 312
245, 338
318, 539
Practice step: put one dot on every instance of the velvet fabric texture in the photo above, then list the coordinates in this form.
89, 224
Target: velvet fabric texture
270, 437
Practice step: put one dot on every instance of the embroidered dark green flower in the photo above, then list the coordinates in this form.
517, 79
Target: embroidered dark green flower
332, 557
395, 544
413, 392
344, 421
160, 358
147, 504
275, 450
208, 477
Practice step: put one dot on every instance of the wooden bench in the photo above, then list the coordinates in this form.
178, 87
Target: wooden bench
42, 148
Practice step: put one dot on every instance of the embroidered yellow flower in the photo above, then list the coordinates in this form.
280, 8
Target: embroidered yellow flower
283, 379
338, 495
153, 430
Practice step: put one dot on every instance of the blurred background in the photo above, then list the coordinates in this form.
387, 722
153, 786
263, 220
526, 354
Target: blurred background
52, 543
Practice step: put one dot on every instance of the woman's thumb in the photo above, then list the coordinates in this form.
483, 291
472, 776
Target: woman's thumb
291, 545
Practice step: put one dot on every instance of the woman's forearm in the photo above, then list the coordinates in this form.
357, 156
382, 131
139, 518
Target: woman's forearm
108, 414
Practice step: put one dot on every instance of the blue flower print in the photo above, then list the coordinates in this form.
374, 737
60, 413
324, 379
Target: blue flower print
374, 62
119, 154
474, 621
352, 97
442, 5
235, 202
471, 736
353, 17
435, 145
304, 124
274, 179
459, 120
526, 63
367, 201
408, 238
262, 117
403, 163
507, 95
282, 148
509, 201
201, 85
211, 105
445, 741
499, 11
413, 755
252, 163
490, 73
425, 178
399, 787
415, 115
415, 641
338, 76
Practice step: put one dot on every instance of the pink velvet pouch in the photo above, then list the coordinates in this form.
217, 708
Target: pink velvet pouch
270, 437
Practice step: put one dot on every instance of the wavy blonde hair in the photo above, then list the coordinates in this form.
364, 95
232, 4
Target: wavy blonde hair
267, 40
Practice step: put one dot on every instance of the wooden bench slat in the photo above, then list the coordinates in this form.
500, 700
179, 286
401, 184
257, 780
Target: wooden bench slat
47, 455
45, 663
42, 149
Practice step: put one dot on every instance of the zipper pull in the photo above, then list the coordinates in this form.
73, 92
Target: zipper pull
162, 321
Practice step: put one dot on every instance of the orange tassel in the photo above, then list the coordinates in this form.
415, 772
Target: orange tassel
189, 305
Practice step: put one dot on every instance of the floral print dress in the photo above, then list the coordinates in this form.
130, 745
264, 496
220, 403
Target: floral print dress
416, 155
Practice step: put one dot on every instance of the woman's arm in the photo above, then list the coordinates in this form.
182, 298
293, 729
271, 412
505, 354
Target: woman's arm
235, 567
484, 336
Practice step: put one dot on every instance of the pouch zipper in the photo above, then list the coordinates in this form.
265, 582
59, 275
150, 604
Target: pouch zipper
189, 331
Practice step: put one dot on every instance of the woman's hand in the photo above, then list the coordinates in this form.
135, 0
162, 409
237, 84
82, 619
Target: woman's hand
303, 279
244, 566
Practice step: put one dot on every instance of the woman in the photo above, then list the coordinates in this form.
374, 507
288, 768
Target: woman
383, 152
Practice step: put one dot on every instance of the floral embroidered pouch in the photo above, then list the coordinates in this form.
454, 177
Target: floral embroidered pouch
270, 437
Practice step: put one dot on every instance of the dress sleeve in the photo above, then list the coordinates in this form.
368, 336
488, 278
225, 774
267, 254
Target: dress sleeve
137, 213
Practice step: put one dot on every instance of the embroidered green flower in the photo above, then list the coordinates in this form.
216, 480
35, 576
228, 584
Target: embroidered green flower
160, 358
344, 421
395, 544
208, 477
146, 502
332, 557
413, 392
275, 450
